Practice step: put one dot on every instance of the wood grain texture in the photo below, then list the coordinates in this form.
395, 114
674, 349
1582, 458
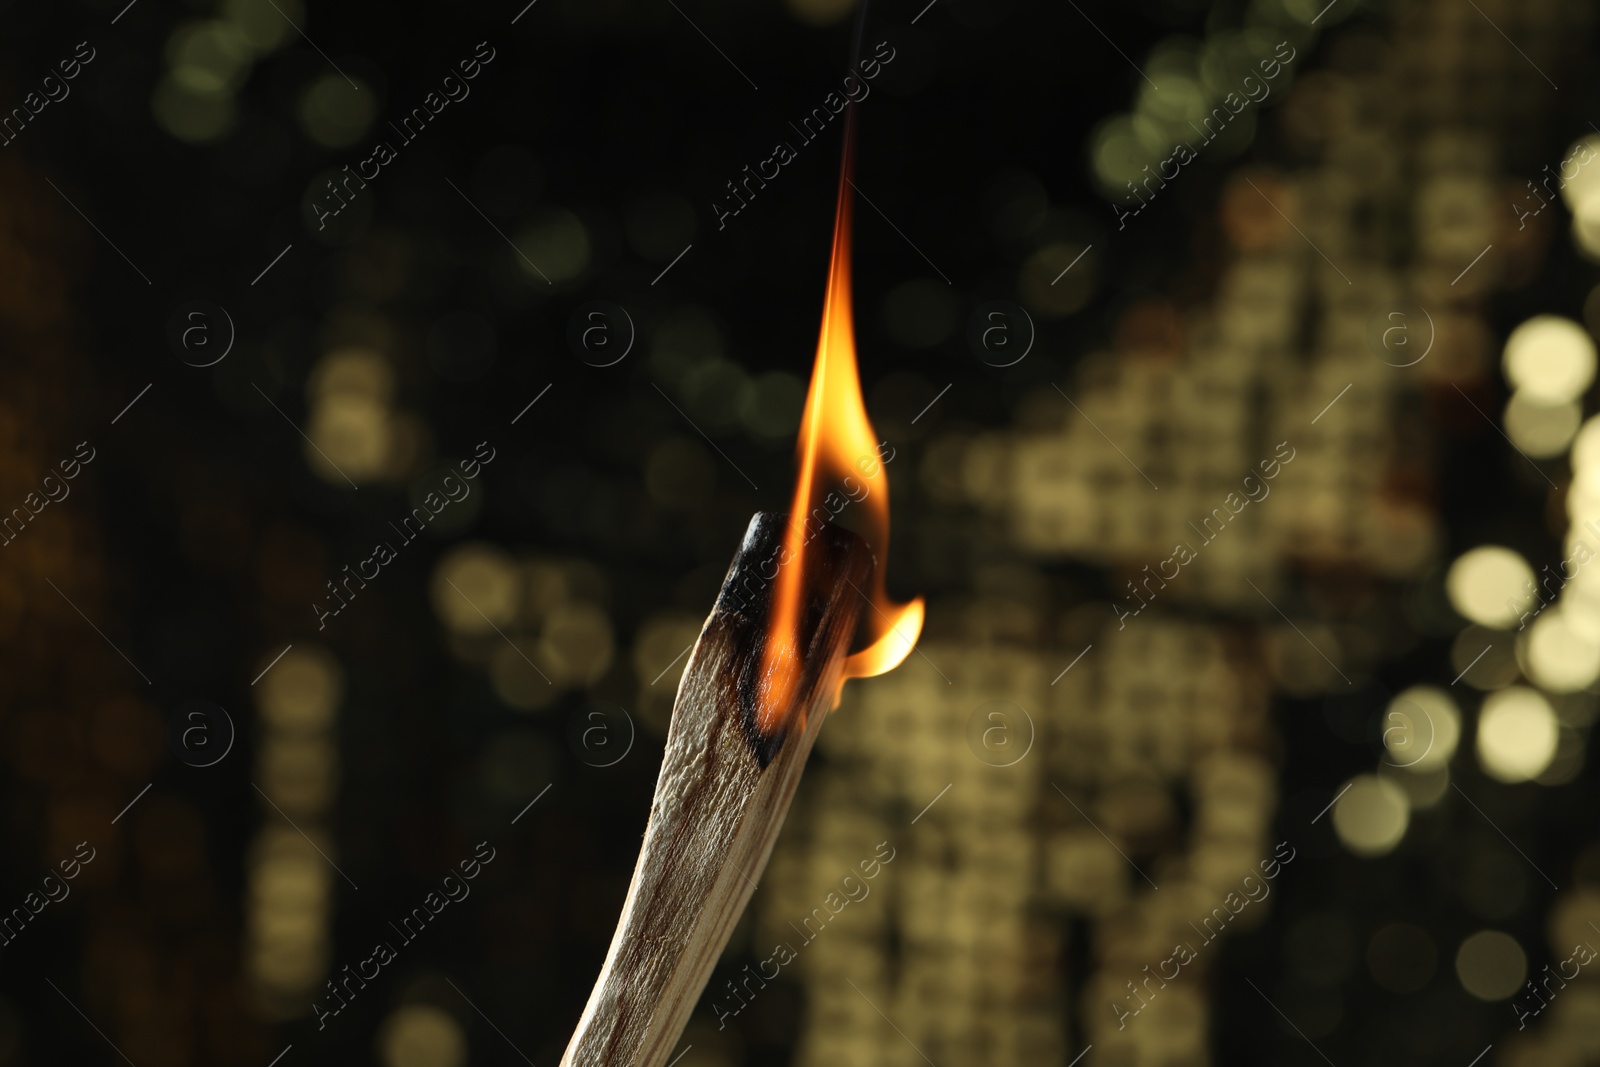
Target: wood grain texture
721, 798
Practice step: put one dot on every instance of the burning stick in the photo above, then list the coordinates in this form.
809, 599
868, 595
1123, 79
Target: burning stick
769, 665
724, 789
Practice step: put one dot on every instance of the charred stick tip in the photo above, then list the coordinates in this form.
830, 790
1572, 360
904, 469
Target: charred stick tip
834, 560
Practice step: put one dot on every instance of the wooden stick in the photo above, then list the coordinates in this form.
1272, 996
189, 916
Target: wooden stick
721, 798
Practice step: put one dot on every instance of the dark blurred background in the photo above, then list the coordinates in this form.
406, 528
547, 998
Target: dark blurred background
269, 364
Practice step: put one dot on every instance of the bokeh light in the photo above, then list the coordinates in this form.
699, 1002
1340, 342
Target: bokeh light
1487, 585
1541, 429
1586, 445
475, 589
1562, 657
421, 1035
1421, 728
1491, 965
1517, 734
1582, 187
1550, 358
1372, 815
348, 436
302, 691
1586, 227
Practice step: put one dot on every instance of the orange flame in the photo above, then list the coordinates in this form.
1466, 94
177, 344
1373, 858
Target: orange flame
837, 447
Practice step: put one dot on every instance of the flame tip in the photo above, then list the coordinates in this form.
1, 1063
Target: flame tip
837, 445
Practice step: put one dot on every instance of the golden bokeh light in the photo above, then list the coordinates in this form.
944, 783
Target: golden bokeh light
301, 692
1421, 728
348, 436
1586, 227
1487, 584
1561, 657
1586, 445
1517, 734
1372, 815
301, 774
286, 918
355, 434
476, 589
361, 372
1583, 186
297, 772
1491, 965
421, 1035
1551, 358
1538, 428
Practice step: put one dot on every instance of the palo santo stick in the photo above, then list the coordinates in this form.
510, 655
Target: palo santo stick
722, 795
